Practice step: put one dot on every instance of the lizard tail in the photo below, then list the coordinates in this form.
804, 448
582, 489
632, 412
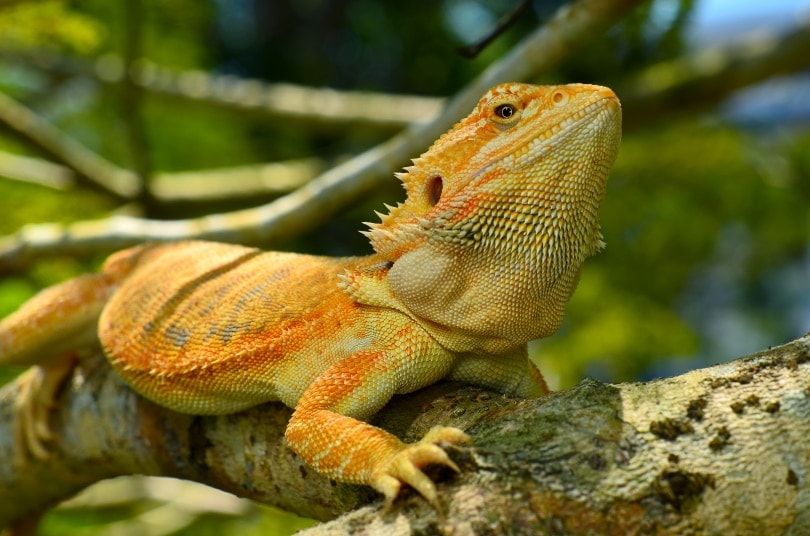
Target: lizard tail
63, 319
59, 320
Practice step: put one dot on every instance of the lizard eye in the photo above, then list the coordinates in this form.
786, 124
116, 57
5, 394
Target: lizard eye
435, 190
505, 111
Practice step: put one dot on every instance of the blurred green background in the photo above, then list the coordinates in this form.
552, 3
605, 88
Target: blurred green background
707, 216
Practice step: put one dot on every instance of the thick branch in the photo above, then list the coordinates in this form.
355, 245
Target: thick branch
317, 201
721, 450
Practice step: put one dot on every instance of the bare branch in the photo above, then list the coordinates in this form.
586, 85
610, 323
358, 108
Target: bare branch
720, 450
209, 185
197, 186
93, 170
280, 101
508, 19
571, 27
35, 170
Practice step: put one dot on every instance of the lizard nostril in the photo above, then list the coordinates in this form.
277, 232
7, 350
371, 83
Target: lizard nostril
435, 190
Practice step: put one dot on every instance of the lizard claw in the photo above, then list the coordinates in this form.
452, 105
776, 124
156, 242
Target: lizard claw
407, 464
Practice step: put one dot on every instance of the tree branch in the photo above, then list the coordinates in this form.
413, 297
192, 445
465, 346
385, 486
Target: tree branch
254, 98
720, 450
245, 182
132, 101
693, 82
93, 170
239, 182
35, 170
570, 28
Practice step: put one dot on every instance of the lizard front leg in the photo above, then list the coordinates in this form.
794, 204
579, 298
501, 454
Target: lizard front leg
510, 373
325, 431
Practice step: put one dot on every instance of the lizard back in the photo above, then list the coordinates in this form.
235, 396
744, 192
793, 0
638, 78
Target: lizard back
193, 309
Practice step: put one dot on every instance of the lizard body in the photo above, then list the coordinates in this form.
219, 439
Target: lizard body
480, 258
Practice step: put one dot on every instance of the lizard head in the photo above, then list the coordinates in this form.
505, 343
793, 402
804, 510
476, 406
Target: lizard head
502, 211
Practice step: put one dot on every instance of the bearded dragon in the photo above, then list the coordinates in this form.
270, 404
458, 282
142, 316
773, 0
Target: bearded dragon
480, 258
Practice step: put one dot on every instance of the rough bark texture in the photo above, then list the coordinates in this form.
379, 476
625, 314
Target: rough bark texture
716, 451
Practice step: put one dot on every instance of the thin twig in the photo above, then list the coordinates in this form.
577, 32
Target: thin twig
472, 50
36, 171
132, 99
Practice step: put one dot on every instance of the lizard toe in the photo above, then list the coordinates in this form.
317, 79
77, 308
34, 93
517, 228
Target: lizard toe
446, 434
407, 465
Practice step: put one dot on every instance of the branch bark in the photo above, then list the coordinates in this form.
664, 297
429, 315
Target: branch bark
720, 450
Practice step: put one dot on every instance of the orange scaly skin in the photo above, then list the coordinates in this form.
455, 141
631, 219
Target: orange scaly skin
482, 257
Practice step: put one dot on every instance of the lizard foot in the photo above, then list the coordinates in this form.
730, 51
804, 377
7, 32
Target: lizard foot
407, 464
39, 387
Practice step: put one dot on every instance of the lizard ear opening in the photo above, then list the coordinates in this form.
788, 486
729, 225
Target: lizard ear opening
434, 189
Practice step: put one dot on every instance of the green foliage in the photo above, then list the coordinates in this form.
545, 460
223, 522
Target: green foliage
51, 24
611, 333
27, 203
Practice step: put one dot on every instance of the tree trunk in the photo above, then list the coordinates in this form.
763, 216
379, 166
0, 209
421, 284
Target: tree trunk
721, 450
